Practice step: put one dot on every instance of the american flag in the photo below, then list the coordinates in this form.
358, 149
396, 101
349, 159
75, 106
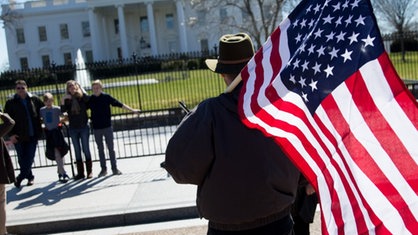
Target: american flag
324, 88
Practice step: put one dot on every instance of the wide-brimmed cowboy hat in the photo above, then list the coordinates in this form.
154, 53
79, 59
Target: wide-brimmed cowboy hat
235, 50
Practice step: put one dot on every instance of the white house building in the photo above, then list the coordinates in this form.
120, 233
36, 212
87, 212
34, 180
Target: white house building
45, 31
41, 32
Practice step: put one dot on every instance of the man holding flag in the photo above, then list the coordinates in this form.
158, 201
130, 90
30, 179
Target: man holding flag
324, 88
246, 185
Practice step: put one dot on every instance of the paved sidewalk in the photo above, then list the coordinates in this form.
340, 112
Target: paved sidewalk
142, 194
141, 201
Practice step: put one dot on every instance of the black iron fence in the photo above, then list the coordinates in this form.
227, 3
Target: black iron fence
156, 85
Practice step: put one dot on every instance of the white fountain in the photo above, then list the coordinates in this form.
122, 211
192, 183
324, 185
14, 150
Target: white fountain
82, 75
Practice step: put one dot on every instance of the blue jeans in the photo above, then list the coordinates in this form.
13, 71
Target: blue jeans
107, 133
80, 138
25, 151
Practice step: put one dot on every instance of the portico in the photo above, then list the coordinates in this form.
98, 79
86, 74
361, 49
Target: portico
130, 26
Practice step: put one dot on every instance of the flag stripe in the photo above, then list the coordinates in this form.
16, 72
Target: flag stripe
369, 217
353, 146
390, 111
403, 97
364, 160
405, 129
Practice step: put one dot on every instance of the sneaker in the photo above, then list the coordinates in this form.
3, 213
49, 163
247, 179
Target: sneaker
116, 172
63, 178
103, 172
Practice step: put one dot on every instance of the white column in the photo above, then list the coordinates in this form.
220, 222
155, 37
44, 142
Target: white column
94, 35
14, 62
182, 26
122, 32
152, 34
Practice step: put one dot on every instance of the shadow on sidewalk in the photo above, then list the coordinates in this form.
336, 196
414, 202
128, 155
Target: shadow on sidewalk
53, 192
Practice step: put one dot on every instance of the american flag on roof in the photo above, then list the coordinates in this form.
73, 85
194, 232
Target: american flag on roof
324, 88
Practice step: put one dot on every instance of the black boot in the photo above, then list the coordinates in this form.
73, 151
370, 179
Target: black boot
18, 181
89, 166
80, 171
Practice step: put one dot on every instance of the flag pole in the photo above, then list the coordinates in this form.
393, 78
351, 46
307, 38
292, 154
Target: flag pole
233, 84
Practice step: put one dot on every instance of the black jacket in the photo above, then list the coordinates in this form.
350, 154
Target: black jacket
244, 179
77, 120
17, 112
7, 173
55, 139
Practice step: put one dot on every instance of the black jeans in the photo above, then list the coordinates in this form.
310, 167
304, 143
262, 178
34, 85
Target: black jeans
280, 227
25, 155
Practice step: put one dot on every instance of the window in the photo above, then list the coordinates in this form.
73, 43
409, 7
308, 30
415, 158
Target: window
42, 34
85, 27
67, 59
45, 61
20, 35
89, 56
24, 63
204, 44
64, 31
116, 25
143, 21
169, 21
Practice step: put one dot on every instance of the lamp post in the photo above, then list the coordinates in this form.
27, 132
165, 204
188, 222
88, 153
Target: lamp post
215, 49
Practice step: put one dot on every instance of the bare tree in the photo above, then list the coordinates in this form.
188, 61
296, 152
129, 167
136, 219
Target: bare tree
398, 14
259, 18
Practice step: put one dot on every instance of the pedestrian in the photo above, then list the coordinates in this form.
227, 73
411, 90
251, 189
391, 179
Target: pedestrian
56, 147
101, 122
7, 173
74, 103
24, 108
246, 184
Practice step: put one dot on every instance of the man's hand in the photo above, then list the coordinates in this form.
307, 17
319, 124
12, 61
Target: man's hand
309, 190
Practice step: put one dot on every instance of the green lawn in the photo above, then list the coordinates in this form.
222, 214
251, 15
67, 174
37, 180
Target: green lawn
406, 69
190, 87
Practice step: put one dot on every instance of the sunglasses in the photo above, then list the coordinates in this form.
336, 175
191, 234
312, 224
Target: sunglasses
20, 88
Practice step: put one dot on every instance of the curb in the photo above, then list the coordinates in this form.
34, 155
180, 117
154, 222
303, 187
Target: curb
107, 221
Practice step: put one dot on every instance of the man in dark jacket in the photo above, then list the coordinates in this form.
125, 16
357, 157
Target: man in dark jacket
24, 108
7, 174
246, 184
